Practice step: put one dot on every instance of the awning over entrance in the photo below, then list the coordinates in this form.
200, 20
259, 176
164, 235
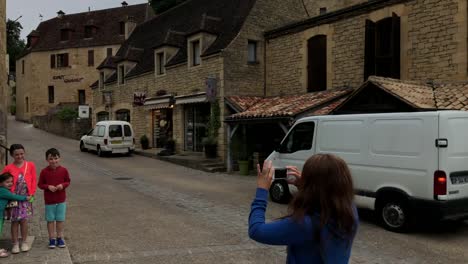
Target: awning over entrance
159, 102
265, 109
191, 98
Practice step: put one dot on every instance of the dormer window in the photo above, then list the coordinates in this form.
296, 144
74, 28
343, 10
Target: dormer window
121, 74
160, 63
89, 31
195, 48
65, 34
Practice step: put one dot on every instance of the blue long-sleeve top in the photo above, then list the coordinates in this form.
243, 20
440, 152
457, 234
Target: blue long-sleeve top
300, 237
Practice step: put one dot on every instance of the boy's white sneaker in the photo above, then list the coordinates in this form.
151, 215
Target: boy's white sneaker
25, 247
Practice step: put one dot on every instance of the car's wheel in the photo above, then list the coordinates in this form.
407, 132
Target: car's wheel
279, 192
100, 153
82, 147
129, 153
394, 214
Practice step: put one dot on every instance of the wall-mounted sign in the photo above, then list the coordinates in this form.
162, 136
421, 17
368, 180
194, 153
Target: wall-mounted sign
107, 97
83, 111
211, 89
139, 98
68, 78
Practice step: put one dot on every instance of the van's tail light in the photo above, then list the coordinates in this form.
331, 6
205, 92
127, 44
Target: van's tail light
440, 183
105, 141
133, 141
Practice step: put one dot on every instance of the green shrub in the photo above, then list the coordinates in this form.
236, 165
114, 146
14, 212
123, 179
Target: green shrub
67, 114
144, 141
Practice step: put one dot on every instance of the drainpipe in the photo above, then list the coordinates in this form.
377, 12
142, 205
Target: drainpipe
264, 68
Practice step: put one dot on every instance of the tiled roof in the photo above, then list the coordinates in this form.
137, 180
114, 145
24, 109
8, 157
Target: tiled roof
416, 94
452, 96
106, 22
108, 62
223, 18
424, 95
328, 108
283, 106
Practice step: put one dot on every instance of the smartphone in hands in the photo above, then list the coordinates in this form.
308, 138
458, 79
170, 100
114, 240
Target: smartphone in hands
281, 174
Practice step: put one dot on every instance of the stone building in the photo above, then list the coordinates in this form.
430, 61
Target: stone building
59, 63
402, 39
165, 75
3, 81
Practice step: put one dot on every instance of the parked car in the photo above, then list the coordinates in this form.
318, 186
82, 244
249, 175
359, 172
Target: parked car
109, 137
403, 164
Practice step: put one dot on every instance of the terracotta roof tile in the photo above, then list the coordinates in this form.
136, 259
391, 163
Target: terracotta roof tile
417, 94
283, 106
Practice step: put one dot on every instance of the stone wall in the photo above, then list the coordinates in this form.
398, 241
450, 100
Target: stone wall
38, 75
433, 46
71, 129
313, 6
3, 82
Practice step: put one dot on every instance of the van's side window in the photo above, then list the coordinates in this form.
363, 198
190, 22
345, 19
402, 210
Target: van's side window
101, 131
95, 131
300, 138
127, 131
115, 131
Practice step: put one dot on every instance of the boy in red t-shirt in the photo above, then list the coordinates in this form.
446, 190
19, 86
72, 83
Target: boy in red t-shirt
54, 179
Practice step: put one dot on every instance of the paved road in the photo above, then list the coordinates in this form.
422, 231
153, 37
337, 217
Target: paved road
140, 210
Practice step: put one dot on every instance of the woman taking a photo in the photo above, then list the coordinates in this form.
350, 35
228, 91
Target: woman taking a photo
322, 219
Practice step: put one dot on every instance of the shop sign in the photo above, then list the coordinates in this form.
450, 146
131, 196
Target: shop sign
211, 89
139, 98
67, 78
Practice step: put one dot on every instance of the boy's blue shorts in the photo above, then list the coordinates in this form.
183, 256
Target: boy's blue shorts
55, 212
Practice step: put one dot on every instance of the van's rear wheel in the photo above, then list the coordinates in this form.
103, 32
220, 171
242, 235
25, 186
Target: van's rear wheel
279, 192
100, 153
394, 215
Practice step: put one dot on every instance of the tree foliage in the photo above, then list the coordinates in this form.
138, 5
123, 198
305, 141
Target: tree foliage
15, 45
160, 6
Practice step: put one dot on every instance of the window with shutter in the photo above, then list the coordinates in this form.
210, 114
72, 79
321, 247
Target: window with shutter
51, 94
52, 61
317, 63
382, 48
66, 63
90, 57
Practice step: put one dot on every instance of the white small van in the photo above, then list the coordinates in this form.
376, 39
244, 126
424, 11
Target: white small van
403, 164
109, 137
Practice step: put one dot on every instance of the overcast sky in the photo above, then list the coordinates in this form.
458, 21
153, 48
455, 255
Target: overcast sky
30, 10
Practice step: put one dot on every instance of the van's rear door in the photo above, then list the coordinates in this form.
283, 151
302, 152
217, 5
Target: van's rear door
116, 138
128, 136
453, 159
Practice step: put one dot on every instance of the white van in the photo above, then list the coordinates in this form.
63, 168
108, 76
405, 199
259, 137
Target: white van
109, 137
403, 164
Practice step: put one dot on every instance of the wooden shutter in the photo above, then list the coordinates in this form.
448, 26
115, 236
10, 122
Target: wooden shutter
65, 60
369, 52
90, 57
395, 68
317, 63
52, 61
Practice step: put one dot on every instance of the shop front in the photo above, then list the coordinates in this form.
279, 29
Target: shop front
161, 110
196, 112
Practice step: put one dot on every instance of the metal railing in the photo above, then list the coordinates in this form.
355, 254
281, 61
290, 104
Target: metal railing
6, 153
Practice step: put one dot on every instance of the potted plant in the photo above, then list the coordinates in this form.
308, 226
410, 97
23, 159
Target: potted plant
144, 141
243, 162
210, 143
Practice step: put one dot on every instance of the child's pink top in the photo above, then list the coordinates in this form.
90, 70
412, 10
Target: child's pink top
31, 180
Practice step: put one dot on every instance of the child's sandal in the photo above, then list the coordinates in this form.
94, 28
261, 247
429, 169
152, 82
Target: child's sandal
4, 253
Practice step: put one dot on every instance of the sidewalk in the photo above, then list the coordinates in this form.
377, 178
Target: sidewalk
39, 252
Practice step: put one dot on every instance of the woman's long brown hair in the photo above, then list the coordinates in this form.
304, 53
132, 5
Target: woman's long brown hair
326, 188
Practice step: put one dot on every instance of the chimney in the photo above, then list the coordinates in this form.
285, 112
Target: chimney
124, 4
33, 38
130, 25
60, 14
